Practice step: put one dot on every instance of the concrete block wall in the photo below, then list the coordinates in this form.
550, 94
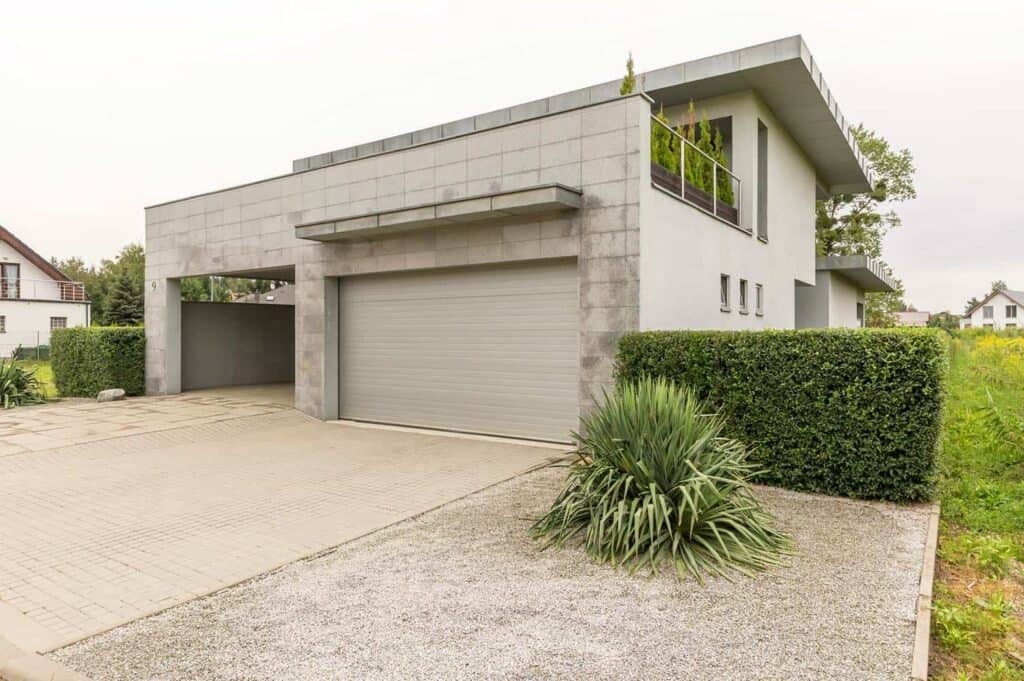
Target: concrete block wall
596, 148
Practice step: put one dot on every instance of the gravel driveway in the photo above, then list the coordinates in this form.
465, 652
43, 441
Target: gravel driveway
462, 592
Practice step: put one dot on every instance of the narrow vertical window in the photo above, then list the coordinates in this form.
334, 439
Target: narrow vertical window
743, 296
762, 181
860, 314
758, 300
3, 324
724, 292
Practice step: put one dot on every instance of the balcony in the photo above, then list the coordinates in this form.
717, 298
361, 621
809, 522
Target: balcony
42, 289
681, 169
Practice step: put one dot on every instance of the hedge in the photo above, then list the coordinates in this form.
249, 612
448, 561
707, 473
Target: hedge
853, 413
87, 360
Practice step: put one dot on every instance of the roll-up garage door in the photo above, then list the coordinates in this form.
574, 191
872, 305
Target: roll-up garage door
483, 349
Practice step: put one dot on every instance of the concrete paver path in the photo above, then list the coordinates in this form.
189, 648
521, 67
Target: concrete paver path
114, 511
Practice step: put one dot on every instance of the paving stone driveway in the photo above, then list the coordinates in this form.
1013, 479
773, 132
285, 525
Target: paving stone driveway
111, 512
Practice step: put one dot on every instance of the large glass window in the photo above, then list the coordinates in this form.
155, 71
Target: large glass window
1011, 311
987, 312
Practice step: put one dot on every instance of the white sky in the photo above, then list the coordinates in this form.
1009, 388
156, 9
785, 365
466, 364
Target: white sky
106, 107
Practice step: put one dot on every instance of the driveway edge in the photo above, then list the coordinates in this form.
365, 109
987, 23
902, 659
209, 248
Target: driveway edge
19, 665
922, 633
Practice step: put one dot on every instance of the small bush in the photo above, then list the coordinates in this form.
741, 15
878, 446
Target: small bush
656, 483
87, 360
852, 413
19, 385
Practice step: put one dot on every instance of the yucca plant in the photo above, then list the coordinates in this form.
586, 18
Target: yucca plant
19, 385
656, 482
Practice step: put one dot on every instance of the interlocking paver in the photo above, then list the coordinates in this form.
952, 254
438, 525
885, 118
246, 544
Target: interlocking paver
210, 488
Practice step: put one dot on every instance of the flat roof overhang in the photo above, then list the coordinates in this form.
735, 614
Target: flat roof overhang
865, 272
782, 72
539, 200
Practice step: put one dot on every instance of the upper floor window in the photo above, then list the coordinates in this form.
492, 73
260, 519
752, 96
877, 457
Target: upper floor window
723, 285
987, 312
10, 280
762, 181
743, 296
758, 299
58, 323
1011, 311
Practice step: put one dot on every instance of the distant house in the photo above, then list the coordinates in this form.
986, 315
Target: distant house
35, 297
913, 318
999, 310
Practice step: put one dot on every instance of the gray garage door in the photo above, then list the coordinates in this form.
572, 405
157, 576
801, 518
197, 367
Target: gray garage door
486, 349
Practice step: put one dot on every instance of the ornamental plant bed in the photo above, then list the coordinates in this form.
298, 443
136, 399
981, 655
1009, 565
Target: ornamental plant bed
666, 179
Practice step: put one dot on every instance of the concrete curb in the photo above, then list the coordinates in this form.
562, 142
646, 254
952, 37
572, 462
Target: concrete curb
922, 634
19, 665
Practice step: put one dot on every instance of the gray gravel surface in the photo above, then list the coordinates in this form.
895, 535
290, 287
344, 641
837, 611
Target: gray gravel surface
463, 593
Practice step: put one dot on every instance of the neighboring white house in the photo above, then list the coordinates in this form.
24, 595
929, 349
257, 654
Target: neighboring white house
35, 297
913, 318
477, 275
1000, 310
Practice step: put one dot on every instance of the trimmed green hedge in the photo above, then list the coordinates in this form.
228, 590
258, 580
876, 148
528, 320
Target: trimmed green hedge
855, 413
89, 359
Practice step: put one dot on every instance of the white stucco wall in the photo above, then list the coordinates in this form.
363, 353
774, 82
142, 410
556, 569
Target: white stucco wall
27, 321
999, 319
683, 251
842, 301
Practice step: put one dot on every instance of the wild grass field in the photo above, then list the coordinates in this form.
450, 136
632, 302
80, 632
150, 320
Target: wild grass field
978, 608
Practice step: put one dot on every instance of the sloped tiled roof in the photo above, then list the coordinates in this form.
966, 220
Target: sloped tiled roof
1015, 296
39, 261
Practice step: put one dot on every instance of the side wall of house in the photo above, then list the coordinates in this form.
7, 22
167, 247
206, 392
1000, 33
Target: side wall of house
27, 322
844, 295
596, 149
684, 251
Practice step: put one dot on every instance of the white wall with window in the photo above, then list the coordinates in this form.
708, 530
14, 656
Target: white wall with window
31, 305
685, 253
998, 311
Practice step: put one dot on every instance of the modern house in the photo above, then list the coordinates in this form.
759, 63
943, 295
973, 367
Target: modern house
999, 310
35, 298
476, 275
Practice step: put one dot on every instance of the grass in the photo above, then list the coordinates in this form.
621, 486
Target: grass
44, 372
978, 616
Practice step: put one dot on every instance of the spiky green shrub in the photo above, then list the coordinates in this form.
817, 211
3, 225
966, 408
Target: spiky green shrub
19, 385
656, 483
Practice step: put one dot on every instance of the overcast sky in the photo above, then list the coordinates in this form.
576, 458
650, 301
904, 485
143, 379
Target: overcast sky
106, 107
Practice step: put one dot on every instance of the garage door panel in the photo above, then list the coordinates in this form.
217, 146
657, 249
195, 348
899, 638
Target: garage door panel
490, 349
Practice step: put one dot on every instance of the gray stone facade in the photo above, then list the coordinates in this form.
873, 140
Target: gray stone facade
600, 149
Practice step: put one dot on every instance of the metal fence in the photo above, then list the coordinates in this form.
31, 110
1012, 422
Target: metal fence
27, 345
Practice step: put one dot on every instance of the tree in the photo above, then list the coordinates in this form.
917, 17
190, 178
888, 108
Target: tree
124, 303
629, 80
855, 224
100, 281
880, 308
944, 320
999, 285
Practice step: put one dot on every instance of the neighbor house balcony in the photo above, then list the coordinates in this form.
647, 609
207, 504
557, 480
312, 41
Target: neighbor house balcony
42, 289
683, 170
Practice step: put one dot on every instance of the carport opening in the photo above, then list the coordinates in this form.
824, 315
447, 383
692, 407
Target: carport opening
238, 329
